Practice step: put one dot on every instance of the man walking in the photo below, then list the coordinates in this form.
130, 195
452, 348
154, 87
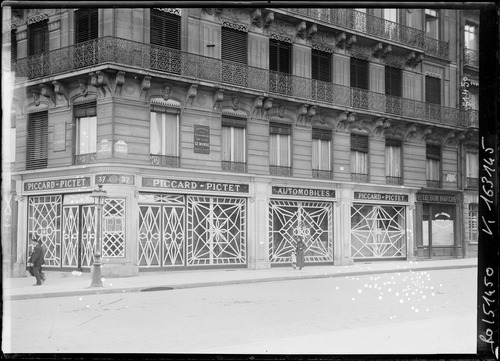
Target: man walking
37, 260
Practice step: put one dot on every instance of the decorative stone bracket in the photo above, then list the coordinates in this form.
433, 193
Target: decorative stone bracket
191, 94
380, 125
344, 120
47, 91
257, 106
257, 18
413, 60
119, 81
60, 90
145, 85
100, 81
218, 97
380, 51
410, 131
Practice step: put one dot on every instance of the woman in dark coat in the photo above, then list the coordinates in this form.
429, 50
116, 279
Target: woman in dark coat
36, 260
299, 251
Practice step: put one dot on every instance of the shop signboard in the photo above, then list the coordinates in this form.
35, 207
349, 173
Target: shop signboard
65, 183
437, 198
380, 197
303, 192
194, 185
201, 139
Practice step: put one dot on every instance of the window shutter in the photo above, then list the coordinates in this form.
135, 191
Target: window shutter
38, 38
323, 134
359, 142
234, 45
85, 110
359, 73
13, 46
389, 142
86, 24
321, 65
433, 152
165, 29
393, 81
280, 56
277, 128
236, 122
37, 142
432, 90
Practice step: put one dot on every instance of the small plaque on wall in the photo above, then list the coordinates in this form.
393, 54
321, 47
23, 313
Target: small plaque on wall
59, 136
201, 139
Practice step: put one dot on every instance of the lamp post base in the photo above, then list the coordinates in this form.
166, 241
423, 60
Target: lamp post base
96, 272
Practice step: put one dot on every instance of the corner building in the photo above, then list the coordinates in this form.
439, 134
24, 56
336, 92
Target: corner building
221, 135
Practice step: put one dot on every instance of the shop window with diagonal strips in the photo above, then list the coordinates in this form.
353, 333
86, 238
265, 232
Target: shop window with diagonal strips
280, 149
233, 144
433, 167
359, 83
321, 153
280, 67
393, 161
359, 157
37, 142
321, 73
86, 30
234, 55
85, 132
165, 39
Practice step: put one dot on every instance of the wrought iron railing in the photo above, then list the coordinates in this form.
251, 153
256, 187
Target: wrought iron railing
359, 177
394, 180
193, 67
471, 58
433, 183
281, 171
164, 160
322, 174
437, 48
234, 166
88, 158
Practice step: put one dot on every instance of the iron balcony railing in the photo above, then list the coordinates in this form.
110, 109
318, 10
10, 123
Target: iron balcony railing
471, 58
372, 25
193, 67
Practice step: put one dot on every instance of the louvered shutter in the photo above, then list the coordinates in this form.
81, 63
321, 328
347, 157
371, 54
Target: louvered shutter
322, 134
359, 73
393, 81
38, 38
234, 45
86, 24
280, 56
85, 110
432, 90
13, 46
321, 65
359, 142
165, 29
277, 128
433, 152
237, 122
37, 142
390, 142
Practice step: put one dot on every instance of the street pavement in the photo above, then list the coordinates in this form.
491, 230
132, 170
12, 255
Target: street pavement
59, 284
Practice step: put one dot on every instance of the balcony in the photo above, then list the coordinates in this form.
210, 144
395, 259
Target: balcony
238, 167
359, 177
394, 180
471, 58
140, 57
280, 171
322, 174
433, 183
88, 158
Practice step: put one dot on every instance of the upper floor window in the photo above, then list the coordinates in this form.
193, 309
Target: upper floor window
86, 132
393, 88
321, 67
472, 225
432, 90
393, 161
359, 157
234, 55
164, 134
470, 36
472, 168
280, 66
233, 144
391, 26
433, 165
280, 149
13, 45
321, 153
359, 82
86, 24
432, 23
38, 37
37, 140
165, 35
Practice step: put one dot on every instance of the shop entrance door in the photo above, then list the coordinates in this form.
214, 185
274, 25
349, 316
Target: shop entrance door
378, 232
79, 236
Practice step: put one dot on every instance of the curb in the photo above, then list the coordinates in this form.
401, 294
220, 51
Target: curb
168, 287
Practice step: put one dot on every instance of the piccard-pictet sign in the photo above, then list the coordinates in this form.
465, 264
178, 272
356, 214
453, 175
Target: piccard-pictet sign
381, 197
194, 185
304, 192
66, 183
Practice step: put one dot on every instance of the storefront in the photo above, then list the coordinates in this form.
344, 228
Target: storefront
437, 229
378, 226
305, 213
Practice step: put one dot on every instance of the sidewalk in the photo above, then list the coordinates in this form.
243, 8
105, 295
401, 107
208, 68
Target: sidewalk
60, 284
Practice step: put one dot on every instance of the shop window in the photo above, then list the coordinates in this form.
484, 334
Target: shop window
393, 90
359, 82
233, 144
37, 142
280, 66
164, 135
359, 157
438, 225
234, 54
433, 166
472, 168
432, 23
321, 153
473, 230
86, 132
393, 161
165, 38
280, 149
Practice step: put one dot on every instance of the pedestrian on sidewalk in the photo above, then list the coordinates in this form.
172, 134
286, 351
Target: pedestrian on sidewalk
37, 260
299, 251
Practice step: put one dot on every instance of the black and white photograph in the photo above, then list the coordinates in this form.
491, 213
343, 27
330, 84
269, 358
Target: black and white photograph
252, 178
